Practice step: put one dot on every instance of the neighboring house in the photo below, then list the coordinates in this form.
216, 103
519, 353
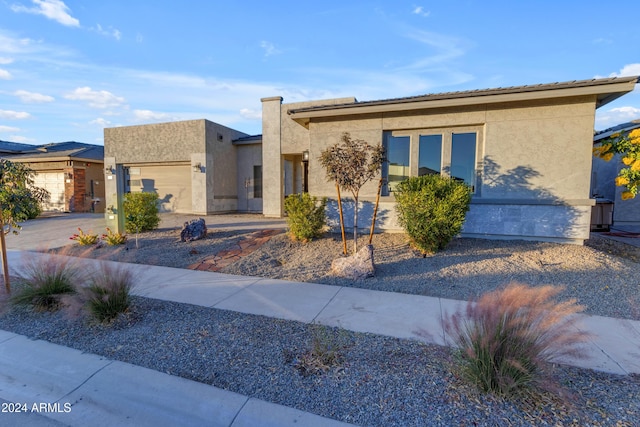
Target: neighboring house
525, 151
195, 166
72, 172
626, 213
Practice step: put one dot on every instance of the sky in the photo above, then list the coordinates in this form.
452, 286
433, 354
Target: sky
70, 68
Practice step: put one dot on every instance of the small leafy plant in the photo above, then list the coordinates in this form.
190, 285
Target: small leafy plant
306, 217
46, 280
84, 239
509, 336
432, 210
141, 212
112, 238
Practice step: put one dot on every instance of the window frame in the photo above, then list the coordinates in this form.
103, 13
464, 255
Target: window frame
445, 161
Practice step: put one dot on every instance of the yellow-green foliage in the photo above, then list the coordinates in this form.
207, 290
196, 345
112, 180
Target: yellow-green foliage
432, 210
305, 216
628, 146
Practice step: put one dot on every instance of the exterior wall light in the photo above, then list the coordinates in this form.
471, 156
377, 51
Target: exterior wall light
109, 170
305, 156
197, 167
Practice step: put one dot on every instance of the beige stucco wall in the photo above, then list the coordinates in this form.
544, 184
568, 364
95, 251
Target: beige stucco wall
533, 153
213, 185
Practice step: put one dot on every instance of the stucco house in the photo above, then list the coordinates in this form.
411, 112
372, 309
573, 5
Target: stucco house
195, 166
71, 171
623, 214
525, 151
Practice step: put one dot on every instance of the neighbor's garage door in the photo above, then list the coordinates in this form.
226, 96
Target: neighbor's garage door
53, 182
172, 183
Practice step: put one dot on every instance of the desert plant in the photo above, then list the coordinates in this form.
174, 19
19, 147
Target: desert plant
46, 280
108, 292
114, 238
84, 239
509, 336
432, 210
305, 216
325, 350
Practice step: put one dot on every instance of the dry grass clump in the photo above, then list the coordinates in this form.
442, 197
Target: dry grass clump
46, 279
508, 337
108, 293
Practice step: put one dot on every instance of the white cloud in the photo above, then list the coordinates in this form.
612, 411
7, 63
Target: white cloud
109, 32
4, 60
627, 71
55, 10
100, 122
446, 48
7, 129
419, 10
18, 138
251, 114
96, 99
151, 116
269, 48
616, 116
5, 75
33, 97
14, 115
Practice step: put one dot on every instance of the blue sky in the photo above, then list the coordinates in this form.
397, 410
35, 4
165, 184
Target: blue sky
70, 68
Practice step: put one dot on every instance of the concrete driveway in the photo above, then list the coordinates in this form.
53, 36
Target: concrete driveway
53, 231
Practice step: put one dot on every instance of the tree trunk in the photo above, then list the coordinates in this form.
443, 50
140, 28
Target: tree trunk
3, 247
375, 210
344, 238
355, 224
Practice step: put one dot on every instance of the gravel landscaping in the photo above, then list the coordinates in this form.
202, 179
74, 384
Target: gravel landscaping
377, 381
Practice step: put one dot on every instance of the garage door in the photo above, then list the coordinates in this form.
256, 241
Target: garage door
172, 183
53, 182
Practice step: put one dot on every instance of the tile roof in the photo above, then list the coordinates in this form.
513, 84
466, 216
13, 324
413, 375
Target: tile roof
476, 93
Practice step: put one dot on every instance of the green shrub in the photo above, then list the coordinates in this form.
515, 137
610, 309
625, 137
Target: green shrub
46, 280
305, 216
108, 292
509, 336
140, 212
432, 210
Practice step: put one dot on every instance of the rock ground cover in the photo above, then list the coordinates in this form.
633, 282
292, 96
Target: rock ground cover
380, 381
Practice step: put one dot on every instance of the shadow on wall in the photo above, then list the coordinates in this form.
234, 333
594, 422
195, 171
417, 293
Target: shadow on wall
365, 214
165, 204
530, 210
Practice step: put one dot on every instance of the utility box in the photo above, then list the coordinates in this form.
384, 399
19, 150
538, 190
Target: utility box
602, 215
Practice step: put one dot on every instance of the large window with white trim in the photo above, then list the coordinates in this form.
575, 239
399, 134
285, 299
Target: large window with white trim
450, 152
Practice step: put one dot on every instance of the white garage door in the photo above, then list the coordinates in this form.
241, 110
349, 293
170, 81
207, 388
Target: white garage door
53, 182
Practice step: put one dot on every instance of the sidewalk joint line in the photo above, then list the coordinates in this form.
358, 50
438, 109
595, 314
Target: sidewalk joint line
340, 288
85, 381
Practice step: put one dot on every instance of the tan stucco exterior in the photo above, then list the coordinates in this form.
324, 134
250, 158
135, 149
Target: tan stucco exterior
533, 152
197, 155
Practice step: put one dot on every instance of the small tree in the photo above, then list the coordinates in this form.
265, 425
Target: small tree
19, 199
140, 212
351, 165
628, 146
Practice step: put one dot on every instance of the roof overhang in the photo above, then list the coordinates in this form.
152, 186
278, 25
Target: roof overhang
605, 90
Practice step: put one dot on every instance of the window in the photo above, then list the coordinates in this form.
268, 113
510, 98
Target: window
397, 159
463, 157
257, 182
451, 152
430, 155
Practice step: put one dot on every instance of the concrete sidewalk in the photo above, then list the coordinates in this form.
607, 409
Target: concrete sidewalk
105, 392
